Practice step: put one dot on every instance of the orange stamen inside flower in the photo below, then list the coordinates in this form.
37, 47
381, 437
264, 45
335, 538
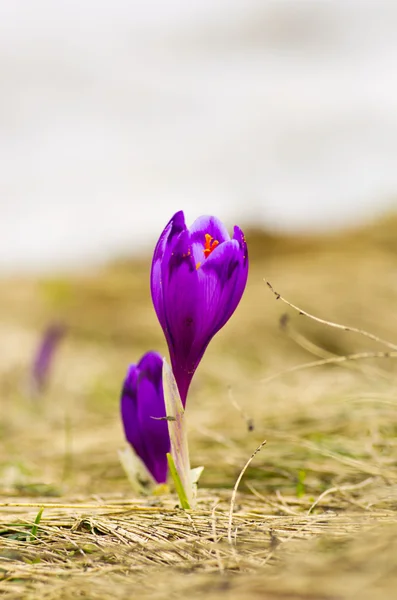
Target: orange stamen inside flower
210, 245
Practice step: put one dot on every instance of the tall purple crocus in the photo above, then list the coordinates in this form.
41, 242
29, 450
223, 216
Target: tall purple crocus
142, 398
44, 357
197, 280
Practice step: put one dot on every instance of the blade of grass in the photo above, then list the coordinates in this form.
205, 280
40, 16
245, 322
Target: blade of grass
33, 533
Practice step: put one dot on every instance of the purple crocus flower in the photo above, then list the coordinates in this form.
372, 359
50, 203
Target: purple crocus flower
142, 410
197, 280
44, 356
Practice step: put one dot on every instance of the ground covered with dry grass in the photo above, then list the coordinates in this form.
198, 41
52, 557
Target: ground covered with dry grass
315, 513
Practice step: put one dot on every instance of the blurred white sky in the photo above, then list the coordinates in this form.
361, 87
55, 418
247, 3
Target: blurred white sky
113, 115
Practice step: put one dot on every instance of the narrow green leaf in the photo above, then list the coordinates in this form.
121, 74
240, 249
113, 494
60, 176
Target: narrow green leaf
33, 533
300, 486
177, 482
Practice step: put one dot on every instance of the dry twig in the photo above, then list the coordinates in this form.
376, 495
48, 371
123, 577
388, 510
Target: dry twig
362, 332
239, 478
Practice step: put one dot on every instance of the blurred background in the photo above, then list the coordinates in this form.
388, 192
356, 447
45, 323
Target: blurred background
113, 115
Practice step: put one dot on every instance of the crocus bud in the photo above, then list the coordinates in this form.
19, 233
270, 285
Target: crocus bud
143, 414
44, 357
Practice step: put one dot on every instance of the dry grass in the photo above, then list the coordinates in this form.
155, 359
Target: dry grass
315, 514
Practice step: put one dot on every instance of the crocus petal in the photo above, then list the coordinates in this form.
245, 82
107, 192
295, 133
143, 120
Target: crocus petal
182, 310
142, 405
242, 242
162, 253
222, 280
211, 225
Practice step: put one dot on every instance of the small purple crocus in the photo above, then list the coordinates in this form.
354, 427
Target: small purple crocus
44, 357
143, 411
197, 280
